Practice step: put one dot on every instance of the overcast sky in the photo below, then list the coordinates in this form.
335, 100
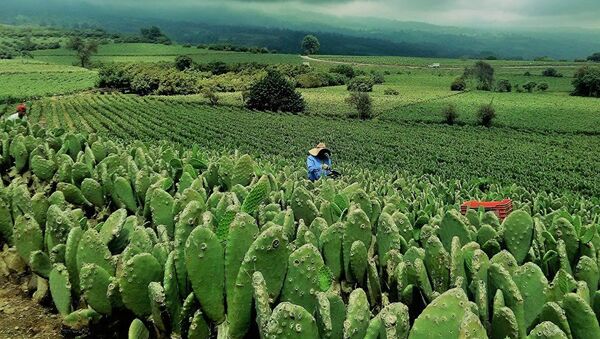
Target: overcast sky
507, 13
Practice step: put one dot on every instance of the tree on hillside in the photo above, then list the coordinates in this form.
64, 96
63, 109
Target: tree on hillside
274, 93
84, 49
594, 57
310, 45
155, 35
587, 82
483, 73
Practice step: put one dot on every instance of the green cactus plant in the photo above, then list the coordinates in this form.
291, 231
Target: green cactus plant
92, 192
266, 255
518, 234
27, 236
504, 324
94, 282
137, 330
302, 279
161, 207
442, 318
552, 312
358, 315
261, 301
453, 225
582, 320
289, 320
60, 289
158, 305
258, 194
138, 272
204, 253
330, 243
547, 330
357, 228
40, 263
437, 263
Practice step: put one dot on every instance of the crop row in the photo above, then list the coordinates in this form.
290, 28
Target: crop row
553, 162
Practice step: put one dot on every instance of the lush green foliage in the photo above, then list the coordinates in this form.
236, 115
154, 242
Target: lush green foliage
501, 154
310, 45
363, 104
587, 82
274, 93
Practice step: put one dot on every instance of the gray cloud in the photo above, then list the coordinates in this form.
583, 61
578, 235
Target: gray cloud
534, 13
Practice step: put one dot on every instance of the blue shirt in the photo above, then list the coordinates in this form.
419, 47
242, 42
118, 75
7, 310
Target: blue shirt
315, 167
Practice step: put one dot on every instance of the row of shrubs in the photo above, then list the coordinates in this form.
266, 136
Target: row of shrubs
485, 114
502, 86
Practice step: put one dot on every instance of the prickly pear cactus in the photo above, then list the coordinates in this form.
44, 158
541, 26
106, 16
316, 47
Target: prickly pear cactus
581, 317
204, 253
533, 286
518, 234
358, 315
260, 191
60, 289
268, 254
443, 317
28, 236
94, 285
357, 228
92, 250
289, 320
137, 273
453, 225
161, 206
359, 262
331, 248
261, 302
302, 281
92, 192
137, 330
303, 206
388, 237
547, 330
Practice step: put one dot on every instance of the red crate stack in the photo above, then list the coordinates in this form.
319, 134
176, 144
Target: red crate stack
501, 208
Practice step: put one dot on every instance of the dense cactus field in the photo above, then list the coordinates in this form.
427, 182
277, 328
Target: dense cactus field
551, 162
176, 240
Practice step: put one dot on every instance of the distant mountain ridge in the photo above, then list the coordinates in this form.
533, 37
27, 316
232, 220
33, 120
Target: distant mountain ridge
283, 32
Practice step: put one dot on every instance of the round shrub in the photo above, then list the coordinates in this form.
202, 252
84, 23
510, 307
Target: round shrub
363, 104
459, 84
543, 87
486, 115
361, 84
391, 91
183, 62
450, 114
274, 93
504, 86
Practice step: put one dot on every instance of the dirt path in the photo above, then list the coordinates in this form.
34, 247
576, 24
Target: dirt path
22, 318
308, 58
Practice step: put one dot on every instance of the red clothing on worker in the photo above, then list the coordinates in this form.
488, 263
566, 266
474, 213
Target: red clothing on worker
22, 108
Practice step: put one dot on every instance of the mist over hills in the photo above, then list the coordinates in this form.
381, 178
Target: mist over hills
282, 31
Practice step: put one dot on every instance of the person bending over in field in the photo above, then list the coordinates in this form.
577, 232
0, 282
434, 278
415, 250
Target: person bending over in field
318, 162
21, 113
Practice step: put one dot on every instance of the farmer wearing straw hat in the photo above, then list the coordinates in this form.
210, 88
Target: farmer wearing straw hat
318, 162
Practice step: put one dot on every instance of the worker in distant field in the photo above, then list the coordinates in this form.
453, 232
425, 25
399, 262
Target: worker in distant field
318, 162
21, 113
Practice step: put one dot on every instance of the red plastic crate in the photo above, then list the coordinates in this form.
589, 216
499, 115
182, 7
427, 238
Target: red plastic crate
501, 208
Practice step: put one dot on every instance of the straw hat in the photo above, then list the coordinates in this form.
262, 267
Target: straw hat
320, 147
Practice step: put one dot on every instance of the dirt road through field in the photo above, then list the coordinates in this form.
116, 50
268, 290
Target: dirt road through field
309, 58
